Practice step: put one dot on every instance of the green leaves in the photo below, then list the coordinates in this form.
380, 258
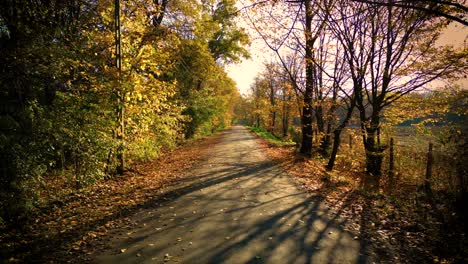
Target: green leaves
61, 90
227, 41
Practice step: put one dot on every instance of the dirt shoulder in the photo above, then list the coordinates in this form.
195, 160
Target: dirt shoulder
405, 226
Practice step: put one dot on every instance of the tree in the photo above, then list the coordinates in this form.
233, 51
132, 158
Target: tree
284, 34
120, 92
228, 41
63, 98
388, 51
203, 85
260, 102
50, 119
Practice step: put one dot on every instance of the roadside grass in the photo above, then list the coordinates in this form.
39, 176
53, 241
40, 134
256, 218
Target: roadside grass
270, 138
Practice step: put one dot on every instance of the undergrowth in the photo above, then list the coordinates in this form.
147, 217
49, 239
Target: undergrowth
272, 139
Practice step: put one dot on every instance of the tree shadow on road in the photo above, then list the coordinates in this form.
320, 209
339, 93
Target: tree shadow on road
294, 227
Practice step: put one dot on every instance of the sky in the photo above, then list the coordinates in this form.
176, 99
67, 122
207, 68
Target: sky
244, 73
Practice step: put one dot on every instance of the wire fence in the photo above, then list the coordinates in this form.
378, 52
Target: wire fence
411, 163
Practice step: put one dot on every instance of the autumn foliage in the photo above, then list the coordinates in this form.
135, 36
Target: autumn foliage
67, 110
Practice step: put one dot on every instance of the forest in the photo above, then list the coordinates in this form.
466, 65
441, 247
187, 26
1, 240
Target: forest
357, 93
68, 110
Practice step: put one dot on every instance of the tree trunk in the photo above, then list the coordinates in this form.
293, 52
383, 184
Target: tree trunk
307, 112
337, 131
320, 129
337, 135
273, 104
306, 146
336, 145
273, 122
325, 145
285, 121
374, 152
120, 92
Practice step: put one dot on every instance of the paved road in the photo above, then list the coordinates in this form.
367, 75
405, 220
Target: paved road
237, 207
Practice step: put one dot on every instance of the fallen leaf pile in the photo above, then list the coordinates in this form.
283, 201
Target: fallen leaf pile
68, 228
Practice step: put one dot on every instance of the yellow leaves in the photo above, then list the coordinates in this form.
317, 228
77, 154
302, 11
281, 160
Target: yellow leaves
428, 107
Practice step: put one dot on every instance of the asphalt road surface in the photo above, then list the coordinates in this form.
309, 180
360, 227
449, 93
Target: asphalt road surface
236, 207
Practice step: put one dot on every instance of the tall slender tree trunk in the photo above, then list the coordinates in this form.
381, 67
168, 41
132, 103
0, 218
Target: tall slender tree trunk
273, 122
323, 148
285, 125
307, 111
120, 92
337, 134
273, 105
318, 109
334, 152
285, 118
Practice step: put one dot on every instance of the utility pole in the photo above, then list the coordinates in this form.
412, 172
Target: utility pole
119, 90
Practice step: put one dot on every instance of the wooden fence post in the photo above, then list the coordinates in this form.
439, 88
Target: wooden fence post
430, 161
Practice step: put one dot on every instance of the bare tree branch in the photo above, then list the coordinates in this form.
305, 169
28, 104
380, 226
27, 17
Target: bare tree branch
414, 4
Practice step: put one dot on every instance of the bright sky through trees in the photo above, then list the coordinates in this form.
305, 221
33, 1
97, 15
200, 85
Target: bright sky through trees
244, 73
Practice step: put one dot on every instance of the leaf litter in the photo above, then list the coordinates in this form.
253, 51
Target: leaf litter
398, 230
72, 227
